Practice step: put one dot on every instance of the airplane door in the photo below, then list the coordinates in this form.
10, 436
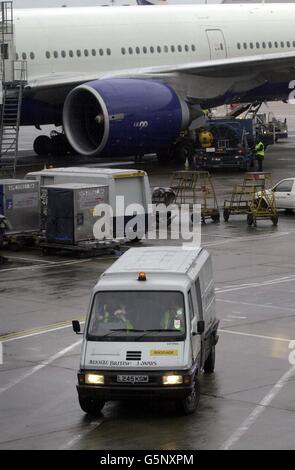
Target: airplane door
216, 43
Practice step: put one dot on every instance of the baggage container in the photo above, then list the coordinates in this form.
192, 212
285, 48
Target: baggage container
20, 204
68, 211
125, 188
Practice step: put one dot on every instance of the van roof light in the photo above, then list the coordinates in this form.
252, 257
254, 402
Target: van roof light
141, 276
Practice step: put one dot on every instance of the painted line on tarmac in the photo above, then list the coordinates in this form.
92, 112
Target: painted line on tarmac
258, 410
40, 366
37, 331
252, 335
250, 304
30, 260
90, 427
248, 238
31, 268
271, 282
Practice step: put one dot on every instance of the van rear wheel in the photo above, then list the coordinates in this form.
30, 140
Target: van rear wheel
90, 405
188, 405
209, 365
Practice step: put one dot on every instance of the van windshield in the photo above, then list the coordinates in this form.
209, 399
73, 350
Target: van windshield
134, 315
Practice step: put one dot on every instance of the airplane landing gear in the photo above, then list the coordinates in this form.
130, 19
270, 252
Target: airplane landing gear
56, 145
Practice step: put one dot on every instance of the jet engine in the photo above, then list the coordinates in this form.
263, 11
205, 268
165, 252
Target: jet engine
123, 116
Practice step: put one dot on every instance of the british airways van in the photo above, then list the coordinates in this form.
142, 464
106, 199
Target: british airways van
151, 329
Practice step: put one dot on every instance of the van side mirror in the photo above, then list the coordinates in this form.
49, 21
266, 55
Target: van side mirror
76, 327
201, 327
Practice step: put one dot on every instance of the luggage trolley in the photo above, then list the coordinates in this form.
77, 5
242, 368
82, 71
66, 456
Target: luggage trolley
253, 198
196, 187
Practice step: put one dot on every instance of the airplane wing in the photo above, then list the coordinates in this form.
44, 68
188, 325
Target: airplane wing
254, 66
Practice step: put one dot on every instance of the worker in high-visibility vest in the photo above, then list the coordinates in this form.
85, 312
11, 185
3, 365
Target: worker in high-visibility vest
260, 153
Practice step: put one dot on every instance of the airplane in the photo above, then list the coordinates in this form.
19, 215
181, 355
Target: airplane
132, 81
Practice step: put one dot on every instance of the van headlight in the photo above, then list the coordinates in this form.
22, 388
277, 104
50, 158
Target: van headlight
94, 379
172, 379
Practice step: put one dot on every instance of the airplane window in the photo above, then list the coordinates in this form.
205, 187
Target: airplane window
221, 46
251, 45
93, 52
288, 44
239, 45
47, 54
63, 54
293, 43
32, 55
123, 50
101, 52
179, 48
109, 51
86, 52
270, 45
282, 44
71, 53
245, 45
137, 50
78, 53
193, 48
172, 48
264, 45
152, 49
144, 49
186, 48
55, 54
159, 50
258, 45
130, 50
166, 48
24, 56
276, 44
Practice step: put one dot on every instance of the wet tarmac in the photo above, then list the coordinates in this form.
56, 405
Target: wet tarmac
248, 403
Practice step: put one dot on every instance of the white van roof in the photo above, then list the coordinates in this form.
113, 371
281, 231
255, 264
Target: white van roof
174, 259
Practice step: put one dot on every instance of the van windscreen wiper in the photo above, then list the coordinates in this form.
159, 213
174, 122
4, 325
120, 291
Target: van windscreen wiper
160, 330
128, 329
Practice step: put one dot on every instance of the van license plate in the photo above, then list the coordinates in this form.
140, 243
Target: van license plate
132, 379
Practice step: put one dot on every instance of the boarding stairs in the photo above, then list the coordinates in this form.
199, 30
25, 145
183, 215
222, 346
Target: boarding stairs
13, 77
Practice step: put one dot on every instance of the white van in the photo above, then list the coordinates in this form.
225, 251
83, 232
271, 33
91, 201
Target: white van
133, 185
151, 329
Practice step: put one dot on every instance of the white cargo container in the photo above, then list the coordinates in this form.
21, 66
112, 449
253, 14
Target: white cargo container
132, 185
151, 329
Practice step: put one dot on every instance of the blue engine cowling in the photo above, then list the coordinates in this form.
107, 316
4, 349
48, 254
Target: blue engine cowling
123, 116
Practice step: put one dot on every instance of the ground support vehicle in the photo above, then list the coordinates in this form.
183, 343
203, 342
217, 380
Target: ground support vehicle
226, 143
151, 329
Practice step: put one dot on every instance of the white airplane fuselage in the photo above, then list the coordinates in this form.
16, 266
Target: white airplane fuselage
64, 43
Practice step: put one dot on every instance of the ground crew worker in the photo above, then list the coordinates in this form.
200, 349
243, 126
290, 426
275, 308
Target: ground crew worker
173, 318
121, 317
259, 154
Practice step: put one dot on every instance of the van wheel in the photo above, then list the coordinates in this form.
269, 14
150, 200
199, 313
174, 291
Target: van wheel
188, 405
90, 405
209, 365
